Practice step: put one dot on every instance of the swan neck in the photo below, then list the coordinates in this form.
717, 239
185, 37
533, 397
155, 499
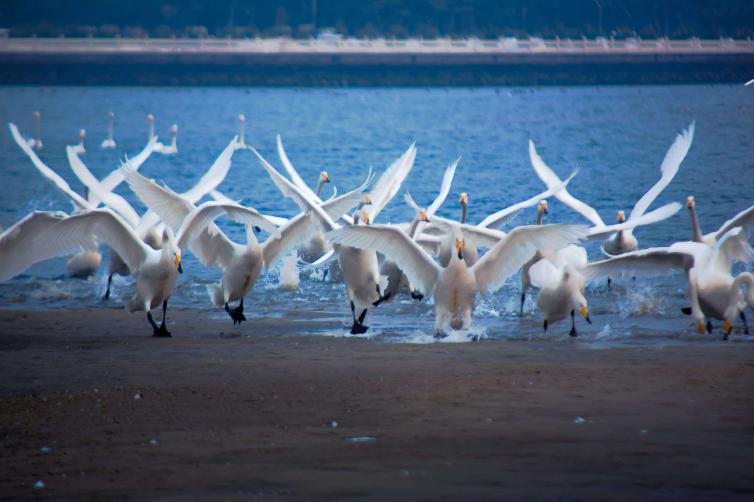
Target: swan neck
746, 279
414, 226
539, 217
464, 212
319, 187
696, 235
37, 128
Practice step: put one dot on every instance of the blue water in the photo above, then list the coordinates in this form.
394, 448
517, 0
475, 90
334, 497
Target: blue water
616, 136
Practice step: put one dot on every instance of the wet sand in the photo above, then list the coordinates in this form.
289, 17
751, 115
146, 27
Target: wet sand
249, 412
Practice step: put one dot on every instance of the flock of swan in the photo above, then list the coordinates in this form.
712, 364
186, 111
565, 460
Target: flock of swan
424, 256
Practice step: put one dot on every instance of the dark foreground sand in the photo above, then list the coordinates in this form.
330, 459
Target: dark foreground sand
249, 413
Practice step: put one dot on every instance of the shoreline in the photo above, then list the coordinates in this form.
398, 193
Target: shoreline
255, 412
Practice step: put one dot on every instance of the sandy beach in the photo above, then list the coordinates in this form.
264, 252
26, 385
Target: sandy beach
94, 407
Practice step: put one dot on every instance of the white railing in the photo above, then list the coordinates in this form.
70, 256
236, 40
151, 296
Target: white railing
376, 46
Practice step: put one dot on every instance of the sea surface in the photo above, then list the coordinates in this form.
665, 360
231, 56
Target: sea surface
616, 137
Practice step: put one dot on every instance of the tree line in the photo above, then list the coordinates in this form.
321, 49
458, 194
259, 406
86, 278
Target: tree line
380, 18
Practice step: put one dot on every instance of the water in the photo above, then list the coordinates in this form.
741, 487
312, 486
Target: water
616, 136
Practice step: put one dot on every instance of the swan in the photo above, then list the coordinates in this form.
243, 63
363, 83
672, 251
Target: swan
241, 130
561, 286
360, 269
526, 283
749, 83
621, 241
156, 271
241, 264
455, 286
109, 142
86, 263
470, 251
713, 291
36, 142
80, 148
172, 148
744, 219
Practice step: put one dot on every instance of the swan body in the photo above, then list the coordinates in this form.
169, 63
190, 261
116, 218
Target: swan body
80, 148
172, 148
744, 219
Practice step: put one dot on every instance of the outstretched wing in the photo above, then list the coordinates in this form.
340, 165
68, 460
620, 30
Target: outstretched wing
216, 174
670, 165
551, 180
295, 178
659, 214
510, 254
647, 262
115, 178
390, 182
447, 180
398, 247
17, 252
744, 219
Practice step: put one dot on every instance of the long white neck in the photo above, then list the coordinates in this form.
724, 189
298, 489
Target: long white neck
251, 238
174, 143
151, 131
319, 186
110, 126
539, 217
464, 212
696, 230
38, 128
241, 138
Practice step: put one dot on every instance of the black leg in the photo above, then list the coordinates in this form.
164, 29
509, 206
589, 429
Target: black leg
709, 326
162, 330
416, 295
109, 282
164, 312
573, 332
746, 326
236, 314
155, 327
362, 316
324, 274
358, 327
523, 299
545, 326
381, 298
609, 280
353, 312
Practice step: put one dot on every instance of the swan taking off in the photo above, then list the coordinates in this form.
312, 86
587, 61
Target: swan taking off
109, 142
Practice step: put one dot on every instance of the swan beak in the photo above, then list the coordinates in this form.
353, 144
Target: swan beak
365, 217
701, 328
464, 199
621, 216
367, 200
325, 178
178, 263
459, 248
423, 216
585, 314
727, 327
690, 202
543, 207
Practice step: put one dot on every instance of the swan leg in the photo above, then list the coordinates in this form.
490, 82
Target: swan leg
523, 299
609, 281
416, 295
545, 326
237, 313
381, 298
109, 282
162, 330
709, 326
155, 327
573, 332
358, 327
746, 326
324, 274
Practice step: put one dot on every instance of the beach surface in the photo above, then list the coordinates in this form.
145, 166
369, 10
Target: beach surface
92, 406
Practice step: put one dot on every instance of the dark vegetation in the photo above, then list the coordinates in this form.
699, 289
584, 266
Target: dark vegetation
376, 18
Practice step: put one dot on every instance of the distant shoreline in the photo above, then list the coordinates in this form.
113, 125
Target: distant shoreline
284, 62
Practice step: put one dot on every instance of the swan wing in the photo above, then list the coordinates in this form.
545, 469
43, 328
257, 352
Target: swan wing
78, 202
291, 191
338, 206
744, 219
74, 233
447, 180
500, 218
216, 173
648, 262
169, 206
551, 179
96, 192
419, 267
296, 231
115, 178
659, 214
295, 178
733, 246
16, 250
512, 252
481, 237
390, 182
544, 274
668, 169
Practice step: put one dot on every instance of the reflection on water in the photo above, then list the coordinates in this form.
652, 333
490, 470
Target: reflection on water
616, 136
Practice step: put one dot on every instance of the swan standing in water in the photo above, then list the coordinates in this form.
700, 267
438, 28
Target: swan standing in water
455, 286
109, 142
713, 291
79, 148
172, 148
36, 141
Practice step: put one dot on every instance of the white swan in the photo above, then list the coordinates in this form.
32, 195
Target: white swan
456, 286
241, 130
80, 148
713, 291
241, 264
744, 219
36, 141
172, 148
109, 142
156, 271
621, 241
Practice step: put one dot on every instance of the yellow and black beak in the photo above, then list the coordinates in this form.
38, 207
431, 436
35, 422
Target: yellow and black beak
423, 216
621, 216
701, 328
544, 207
367, 200
464, 199
365, 217
178, 263
690, 202
459, 248
325, 178
585, 314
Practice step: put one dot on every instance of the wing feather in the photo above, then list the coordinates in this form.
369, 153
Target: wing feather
16, 250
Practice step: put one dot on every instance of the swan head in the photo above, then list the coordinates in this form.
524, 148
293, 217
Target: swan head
423, 215
174, 129
150, 118
82, 134
241, 118
621, 216
690, 202
459, 248
110, 115
585, 313
542, 207
464, 199
324, 177
37, 114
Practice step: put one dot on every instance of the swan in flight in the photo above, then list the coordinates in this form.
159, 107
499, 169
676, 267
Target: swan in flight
744, 219
36, 141
156, 271
109, 142
713, 291
455, 286
621, 241
241, 264
80, 148
561, 286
